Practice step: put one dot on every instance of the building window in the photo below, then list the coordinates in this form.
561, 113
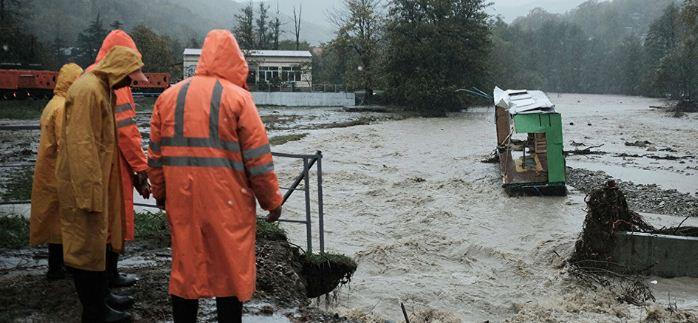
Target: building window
268, 73
291, 74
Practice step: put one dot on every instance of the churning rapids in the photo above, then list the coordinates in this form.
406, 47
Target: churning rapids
430, 226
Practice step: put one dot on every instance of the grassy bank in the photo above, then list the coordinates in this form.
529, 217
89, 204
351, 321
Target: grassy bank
280, 140
18, 185
22, 109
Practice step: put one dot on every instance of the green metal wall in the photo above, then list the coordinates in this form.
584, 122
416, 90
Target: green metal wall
551, 125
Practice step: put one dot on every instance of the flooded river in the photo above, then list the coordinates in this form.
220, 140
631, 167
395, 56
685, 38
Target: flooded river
430, 226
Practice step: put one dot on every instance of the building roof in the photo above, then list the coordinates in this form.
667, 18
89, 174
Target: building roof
260, 53
523, 101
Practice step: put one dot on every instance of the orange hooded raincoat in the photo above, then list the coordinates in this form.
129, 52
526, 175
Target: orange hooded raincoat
45, 225
131, 153
209, 157
87, 168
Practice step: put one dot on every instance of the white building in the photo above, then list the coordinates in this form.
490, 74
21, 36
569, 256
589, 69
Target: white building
283, 68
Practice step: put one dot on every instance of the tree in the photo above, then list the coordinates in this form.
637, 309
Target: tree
262, 27
157, 50
360, 28
193, 43
116, 24
297, 25
276, 30
244, 28
434, 48
90, 41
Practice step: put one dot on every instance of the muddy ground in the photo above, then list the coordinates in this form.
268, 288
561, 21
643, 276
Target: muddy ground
430, 226
281, 294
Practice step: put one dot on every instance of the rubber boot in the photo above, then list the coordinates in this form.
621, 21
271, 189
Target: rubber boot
55, 262
119, 302
229, 310
184, 310
92, 289
117, 279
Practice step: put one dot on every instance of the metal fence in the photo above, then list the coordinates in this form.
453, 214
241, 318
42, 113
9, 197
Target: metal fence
291, 87
308, 162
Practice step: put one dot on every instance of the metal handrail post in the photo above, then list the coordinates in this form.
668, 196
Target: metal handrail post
308, 224
321, 220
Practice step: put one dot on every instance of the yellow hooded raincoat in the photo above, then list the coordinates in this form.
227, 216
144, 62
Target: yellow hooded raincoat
88, 164
44, 221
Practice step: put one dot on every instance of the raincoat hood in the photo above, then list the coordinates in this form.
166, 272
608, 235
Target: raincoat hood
221, 57
116, 38
118, 64
66, 76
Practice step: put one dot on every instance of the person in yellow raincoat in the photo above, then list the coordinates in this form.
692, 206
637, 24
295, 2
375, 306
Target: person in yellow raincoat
44, 222
89, 180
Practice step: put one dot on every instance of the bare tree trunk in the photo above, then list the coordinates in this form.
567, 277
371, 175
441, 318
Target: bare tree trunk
297, 25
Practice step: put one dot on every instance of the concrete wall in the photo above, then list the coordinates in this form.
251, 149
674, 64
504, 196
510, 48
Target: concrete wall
656, 254
304, 99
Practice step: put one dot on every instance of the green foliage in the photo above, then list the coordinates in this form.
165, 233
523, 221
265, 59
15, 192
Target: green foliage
18, 185
22, 109
600, 47
270, 231
359, 35
14, 231
152, 226
262, 32
435, 47
280, 140
160, 53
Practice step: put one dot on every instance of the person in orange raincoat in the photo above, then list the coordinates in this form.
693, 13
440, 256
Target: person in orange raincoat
89, 186
44, 222
132, 158
210, 158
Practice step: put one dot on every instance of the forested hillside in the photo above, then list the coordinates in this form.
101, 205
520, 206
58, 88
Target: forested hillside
621, 46
179, 19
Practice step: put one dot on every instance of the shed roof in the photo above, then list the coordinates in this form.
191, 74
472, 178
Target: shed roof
523, 101
260, 53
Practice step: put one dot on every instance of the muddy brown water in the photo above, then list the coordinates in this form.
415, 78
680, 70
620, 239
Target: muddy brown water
430, 226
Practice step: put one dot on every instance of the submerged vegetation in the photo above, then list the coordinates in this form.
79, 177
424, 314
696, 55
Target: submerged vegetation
18, 185
14, 231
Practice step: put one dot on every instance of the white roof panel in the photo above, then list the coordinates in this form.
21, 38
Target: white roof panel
523, 101
260, 53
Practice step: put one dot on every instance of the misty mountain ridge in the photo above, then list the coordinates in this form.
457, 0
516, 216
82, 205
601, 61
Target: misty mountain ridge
179, 19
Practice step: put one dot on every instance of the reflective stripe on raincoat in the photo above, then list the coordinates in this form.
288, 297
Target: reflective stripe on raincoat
88, 165
45, 226
209, 157
129, 137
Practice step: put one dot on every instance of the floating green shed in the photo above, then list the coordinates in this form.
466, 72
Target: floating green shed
529, 143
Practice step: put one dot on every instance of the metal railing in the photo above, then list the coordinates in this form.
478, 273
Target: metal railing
308, 162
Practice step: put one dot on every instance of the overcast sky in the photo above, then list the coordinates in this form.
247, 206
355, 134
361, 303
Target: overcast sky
316, 10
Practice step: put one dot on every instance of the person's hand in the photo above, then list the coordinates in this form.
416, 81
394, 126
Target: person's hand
142, 185
274, 215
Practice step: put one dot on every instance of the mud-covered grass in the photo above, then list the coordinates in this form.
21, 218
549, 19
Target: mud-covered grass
152, 226
18, 185
14, 231
22, 109
324, 272
280, 140
27, 296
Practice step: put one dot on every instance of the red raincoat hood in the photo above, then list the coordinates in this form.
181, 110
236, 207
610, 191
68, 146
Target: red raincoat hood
116, 38
221, 57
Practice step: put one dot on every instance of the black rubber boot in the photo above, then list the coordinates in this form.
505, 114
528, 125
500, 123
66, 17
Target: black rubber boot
229, 309
184, 310
92, 289
119, 302
117, 279
55, 262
